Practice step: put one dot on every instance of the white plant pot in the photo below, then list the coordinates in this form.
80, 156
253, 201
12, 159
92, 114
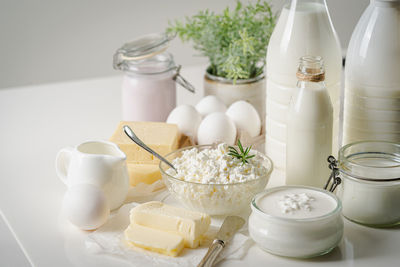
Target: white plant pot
250, 90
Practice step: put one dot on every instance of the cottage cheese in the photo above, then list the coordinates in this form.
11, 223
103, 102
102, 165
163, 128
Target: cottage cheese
211, 181
295, 202
215, 166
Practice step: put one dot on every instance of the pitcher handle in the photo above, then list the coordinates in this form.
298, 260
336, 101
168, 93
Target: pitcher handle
63, 160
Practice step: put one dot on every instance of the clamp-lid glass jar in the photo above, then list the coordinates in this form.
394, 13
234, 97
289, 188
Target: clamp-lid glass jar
149, 83
370, 190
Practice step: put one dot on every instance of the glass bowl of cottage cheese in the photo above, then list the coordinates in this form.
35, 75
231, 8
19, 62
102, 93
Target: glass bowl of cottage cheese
211, 181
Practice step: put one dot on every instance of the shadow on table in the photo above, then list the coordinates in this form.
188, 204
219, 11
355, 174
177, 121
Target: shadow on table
359, 242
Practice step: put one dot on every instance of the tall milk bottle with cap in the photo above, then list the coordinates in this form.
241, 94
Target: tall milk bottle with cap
372, 76
304, 28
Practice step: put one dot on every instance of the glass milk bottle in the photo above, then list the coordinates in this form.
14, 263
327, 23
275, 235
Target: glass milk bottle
372, 76
304, 28
149, 83
309, 126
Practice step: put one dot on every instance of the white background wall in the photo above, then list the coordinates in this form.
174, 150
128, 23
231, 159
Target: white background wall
54, 40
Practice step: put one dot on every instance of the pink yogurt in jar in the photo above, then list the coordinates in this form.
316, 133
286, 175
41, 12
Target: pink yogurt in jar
149, 83
148, 97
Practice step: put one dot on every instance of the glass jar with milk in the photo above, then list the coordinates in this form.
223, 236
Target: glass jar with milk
304, 28
370, 189
372, 85
149, 83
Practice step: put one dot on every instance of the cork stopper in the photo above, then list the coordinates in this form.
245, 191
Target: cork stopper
311, 69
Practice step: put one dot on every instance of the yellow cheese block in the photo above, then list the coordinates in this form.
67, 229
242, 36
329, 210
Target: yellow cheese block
161, 137
143, 173
190, 225
154, 239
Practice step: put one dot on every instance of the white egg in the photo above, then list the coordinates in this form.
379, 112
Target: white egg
216, 127
187, 118
86, 206
246, 117
210, 104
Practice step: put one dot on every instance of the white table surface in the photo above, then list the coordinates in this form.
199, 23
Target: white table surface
37, 121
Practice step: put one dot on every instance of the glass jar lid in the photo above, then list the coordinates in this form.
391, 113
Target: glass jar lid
148, 49
373, 161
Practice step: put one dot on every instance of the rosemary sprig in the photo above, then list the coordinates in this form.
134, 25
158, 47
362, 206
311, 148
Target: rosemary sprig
242, 154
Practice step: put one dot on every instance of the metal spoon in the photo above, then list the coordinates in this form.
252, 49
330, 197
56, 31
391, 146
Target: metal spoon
128, 131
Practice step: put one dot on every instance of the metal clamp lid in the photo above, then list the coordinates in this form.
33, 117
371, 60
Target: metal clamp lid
182, 81
143, 47
149, 46
334, 178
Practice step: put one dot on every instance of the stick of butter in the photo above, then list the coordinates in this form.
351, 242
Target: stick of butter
190, 225
154, 239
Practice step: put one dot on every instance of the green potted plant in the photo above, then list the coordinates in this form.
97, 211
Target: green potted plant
235, 43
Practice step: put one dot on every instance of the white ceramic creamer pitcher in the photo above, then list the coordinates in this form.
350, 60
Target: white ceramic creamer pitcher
100, 163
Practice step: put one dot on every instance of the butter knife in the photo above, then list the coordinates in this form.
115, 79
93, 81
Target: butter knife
229, 227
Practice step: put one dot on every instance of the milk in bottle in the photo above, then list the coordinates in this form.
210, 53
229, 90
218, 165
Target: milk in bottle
309, 126
304, 28
372, 76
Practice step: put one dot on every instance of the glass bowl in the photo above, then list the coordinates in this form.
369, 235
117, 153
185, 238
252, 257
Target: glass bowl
214, 199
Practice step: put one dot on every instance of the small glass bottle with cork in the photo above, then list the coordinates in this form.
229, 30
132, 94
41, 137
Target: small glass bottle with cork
309, 130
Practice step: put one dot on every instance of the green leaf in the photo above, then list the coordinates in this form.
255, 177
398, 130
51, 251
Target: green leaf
242, 155
240, 145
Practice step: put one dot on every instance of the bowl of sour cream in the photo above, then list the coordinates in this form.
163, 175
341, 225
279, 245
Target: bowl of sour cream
296, 221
